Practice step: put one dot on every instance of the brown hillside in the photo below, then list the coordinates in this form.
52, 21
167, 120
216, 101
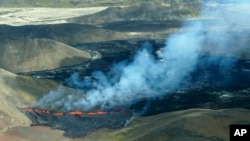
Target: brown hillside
26, 55
186, 125
19, 91
151, 11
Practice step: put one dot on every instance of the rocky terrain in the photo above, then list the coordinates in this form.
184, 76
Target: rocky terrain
154, 12
25, 55
19, 91
35, 16
43, 47
193, 124
68, 33
85, 3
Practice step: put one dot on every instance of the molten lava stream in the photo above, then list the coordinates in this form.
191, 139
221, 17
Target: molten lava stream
58, 114
29, 109
88, 113
75, 113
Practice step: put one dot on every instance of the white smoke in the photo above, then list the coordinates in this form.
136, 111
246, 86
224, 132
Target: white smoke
146, 76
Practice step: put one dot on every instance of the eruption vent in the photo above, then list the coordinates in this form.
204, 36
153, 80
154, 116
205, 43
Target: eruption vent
78, 123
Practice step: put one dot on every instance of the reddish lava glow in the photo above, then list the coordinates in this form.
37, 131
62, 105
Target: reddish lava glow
58, 114
29, 109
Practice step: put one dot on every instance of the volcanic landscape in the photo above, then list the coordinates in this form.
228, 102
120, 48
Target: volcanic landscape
106, 70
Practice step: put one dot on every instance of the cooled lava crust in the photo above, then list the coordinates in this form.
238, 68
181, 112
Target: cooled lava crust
77, 123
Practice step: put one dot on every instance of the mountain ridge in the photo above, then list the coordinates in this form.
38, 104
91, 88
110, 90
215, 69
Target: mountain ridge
24, 55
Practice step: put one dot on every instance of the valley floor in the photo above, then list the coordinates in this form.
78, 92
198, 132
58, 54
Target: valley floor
35, 16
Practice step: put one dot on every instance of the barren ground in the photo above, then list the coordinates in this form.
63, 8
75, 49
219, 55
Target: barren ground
34, 16
19, 91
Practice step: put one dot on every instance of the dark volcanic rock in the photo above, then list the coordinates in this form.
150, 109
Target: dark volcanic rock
79, 125
143, 26
186, 125
111, 52
210, 85
68, 33
151, 11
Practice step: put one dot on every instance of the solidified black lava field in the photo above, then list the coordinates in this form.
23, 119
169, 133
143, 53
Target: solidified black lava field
78, 125
213, 84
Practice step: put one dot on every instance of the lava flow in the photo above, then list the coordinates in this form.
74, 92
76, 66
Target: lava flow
34, 110
78, 123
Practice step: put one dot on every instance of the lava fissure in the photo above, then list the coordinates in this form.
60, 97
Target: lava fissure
35, 110
78, 123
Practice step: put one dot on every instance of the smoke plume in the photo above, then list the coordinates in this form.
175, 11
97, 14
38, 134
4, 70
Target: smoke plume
220, 28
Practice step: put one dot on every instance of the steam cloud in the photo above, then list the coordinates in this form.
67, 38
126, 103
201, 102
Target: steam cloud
220, 27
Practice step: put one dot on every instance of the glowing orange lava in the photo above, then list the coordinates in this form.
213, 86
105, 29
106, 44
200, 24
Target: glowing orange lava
76, 113
29, 109
58, 114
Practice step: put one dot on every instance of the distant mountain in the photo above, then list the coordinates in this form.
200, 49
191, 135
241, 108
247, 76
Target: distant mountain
24, 55
65, 33
151, 11
82, 3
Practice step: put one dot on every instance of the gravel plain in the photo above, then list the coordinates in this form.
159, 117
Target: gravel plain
35, 16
